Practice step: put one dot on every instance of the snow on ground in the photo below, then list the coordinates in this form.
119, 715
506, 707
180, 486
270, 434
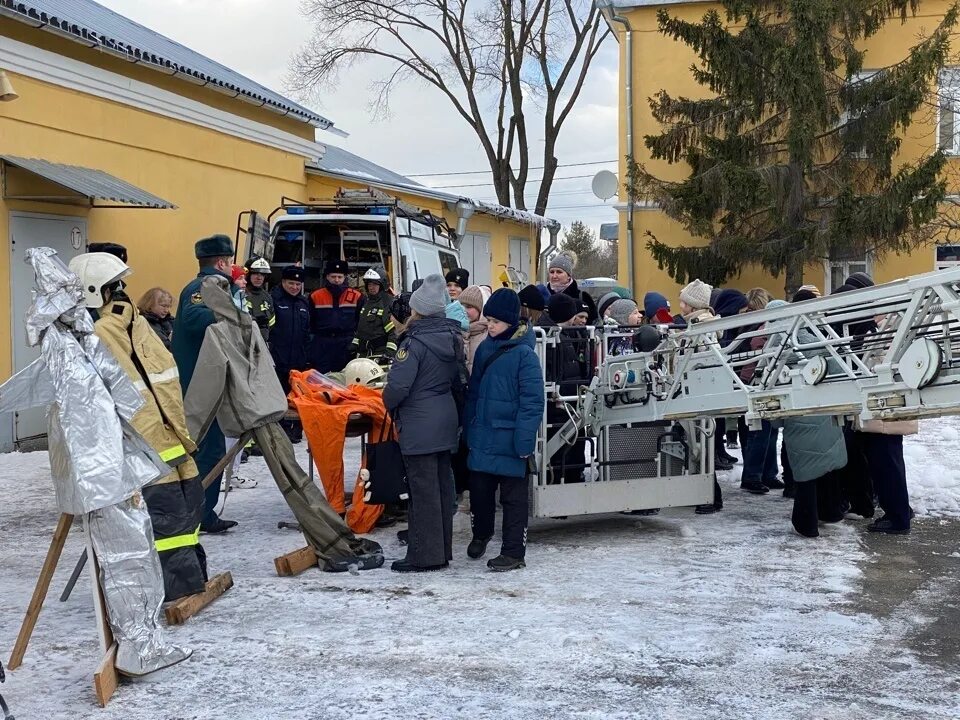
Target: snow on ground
933, 470
676, 616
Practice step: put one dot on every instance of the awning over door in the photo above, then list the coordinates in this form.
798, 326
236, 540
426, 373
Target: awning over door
44, 181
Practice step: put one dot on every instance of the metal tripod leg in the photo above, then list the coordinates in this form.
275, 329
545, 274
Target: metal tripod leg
74, 576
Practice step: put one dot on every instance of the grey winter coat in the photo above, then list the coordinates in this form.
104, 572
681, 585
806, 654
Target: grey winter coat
419, 386
815, 444
234, 380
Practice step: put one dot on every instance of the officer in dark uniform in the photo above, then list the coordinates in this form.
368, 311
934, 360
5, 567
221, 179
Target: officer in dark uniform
376, 332
215, 257
458, 280
290, 335
256, 297
333, 319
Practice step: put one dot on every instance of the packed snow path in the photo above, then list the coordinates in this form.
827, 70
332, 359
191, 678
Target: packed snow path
676, 616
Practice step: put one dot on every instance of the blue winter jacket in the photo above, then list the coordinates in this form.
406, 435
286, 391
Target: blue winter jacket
419, 390
504, 405
291, 330
190, 326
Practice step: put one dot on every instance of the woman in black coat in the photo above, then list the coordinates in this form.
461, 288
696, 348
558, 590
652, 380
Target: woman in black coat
562, 281
155, 306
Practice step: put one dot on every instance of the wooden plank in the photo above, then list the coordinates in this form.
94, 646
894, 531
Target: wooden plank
218, 469
185, 608
40, 591
294, 563
105, 679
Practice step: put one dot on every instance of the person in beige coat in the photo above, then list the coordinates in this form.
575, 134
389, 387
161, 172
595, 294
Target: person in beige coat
472, 300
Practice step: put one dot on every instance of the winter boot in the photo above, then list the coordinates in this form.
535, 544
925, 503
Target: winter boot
754, 486
883, 525
477, 547
804, 517
502, 563
403, 566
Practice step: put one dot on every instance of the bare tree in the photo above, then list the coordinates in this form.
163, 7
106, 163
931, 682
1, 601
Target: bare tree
504, 65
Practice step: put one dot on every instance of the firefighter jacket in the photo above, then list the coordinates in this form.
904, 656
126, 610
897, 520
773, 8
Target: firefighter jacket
258, 303
376, 333
141, 354
236, 381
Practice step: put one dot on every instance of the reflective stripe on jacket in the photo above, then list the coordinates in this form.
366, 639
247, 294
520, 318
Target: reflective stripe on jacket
376, 332
151, 367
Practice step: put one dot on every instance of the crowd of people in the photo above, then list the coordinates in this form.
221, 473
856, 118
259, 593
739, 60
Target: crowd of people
466, 391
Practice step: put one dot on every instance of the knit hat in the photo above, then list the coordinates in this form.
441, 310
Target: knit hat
697, 295
213, 246
336, 266
654, 301
621, 311
605, 302
237, 272
859, 280
565, 261
562, 307
729, 302
292, 272
503, 305
460, 276
531, 298
801, 295
776, 303
472, 297
812, 288
432, 297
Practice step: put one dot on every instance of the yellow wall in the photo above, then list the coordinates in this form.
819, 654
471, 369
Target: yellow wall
500, 230
659, 63
210, 176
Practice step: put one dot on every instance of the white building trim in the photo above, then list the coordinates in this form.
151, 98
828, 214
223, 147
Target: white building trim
49, 67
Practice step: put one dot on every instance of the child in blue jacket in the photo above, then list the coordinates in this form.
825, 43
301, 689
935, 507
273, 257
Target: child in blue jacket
505, 406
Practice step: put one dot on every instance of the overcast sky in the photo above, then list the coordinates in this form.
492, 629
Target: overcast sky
423, 135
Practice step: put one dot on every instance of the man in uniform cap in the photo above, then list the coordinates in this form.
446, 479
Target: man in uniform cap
215, 257
334, 317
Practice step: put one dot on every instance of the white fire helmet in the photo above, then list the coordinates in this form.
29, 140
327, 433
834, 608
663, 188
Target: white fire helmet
97, 271
258, 265
363, 371
373, 275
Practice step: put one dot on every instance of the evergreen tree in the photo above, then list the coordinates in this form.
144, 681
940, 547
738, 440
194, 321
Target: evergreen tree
581, 241
792, 157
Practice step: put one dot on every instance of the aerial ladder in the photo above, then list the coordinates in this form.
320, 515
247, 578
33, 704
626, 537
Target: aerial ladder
889, 352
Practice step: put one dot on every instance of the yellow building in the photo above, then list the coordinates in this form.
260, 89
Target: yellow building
650, 62
110, 132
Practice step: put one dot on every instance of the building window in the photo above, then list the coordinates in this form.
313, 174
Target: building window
949, 104
948, 256
860, 153
839, 270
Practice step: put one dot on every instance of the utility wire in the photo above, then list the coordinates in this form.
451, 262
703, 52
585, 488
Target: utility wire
490, 184
477, 172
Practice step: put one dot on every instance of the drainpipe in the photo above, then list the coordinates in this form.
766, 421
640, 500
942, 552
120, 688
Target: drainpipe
609, 12
465, 209
554, 229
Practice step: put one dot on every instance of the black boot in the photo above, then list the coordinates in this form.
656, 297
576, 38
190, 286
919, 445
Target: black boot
502, 563
804, 516
477, 547
754, 486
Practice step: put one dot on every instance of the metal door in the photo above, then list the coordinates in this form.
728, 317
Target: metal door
520, 257
66, 235
475, 257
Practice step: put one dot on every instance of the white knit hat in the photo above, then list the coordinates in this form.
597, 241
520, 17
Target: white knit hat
697, 295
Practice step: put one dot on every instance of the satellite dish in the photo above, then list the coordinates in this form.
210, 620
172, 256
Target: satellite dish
605, 184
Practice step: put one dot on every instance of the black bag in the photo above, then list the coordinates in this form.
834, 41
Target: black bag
387, 483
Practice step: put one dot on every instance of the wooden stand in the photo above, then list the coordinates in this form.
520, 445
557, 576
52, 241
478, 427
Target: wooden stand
294, 563
183, 609
105, 679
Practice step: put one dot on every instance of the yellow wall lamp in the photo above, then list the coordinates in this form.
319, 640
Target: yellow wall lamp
7, 93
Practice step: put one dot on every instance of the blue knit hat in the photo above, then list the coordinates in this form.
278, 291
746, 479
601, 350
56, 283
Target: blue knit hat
503, 305
654, 301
